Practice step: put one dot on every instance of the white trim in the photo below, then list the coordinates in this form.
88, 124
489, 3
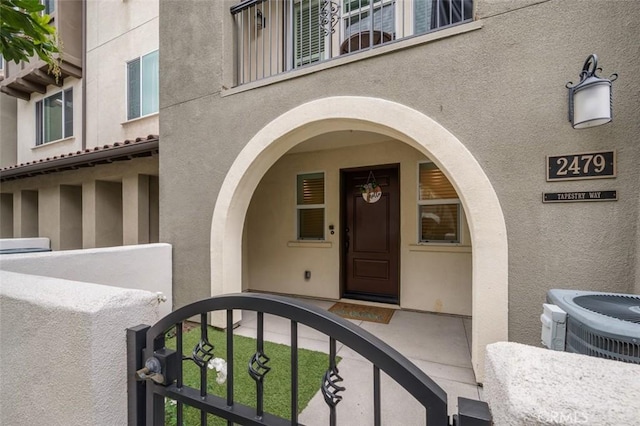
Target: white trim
434, 202
126, 87
133, 120
70, 138
310, 244
62, 119
479, 199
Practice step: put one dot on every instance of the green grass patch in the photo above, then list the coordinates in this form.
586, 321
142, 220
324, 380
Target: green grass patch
277, 382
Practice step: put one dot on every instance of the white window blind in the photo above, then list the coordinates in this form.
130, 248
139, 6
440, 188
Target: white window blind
310, 206
308, 33
438, 206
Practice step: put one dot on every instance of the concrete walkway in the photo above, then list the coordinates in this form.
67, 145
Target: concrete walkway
439, 345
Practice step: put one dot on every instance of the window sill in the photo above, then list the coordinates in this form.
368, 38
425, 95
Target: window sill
440, 247
133, 120
309, 244
347, 59
70, 138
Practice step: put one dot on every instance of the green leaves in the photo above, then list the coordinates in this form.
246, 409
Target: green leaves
25, 32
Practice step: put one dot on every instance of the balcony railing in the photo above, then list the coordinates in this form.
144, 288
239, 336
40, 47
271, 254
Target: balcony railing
276, 36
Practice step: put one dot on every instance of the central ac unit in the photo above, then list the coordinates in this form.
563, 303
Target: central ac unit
604, 325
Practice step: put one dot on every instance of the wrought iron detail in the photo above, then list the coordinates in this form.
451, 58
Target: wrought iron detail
589, 69
329, 16
144, 341
330, 387
258, 366
202, 353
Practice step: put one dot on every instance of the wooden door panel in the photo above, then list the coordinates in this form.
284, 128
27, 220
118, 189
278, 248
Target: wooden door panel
371, 236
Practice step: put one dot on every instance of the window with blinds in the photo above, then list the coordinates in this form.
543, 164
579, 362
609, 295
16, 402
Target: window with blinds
438, 206
310, 206
309, 37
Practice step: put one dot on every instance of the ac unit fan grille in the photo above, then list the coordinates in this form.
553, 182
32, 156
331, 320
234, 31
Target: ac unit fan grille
583, 339
625, 308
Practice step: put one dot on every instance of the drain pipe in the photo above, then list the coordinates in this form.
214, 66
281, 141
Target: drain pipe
84, 75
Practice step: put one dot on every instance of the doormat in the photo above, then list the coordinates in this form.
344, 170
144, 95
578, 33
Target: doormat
362, 312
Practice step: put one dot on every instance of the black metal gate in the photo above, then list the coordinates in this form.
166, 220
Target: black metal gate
155, 372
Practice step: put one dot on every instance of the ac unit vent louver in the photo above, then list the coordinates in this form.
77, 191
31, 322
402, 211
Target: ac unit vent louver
605, 325
625, 308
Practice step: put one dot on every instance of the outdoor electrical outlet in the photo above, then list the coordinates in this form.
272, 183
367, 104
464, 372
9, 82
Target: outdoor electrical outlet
307, 275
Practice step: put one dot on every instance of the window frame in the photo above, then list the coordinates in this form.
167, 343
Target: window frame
436, 202
140, 91
50, 7
371, 8
40, 117
322, 206
296, 34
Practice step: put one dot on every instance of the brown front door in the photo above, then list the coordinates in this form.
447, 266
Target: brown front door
371, 233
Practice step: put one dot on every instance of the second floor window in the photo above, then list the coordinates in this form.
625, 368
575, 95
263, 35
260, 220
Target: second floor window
308, 35
49, 6
142, 86
54, 117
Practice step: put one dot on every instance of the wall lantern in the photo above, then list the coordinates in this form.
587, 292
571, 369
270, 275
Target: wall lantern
261, 21
590, 101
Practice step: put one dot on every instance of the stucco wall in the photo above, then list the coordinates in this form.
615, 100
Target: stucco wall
8, 130
431, 278
142, 267
64, 350
529, 386
118, 32
30, 201
499, 89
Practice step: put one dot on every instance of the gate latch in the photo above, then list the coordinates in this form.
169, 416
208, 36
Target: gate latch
152, 371
160, 368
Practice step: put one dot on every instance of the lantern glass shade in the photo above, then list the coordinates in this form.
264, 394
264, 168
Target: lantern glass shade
591, 103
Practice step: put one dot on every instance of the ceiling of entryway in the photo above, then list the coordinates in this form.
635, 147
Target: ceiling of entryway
340, 139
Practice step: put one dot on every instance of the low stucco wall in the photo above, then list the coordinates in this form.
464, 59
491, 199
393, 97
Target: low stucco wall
64, 350
21, 243
142, 267
525, 385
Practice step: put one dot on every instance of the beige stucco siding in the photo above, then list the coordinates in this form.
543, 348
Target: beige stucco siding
500, 90
84, 208
432, 277
120, 32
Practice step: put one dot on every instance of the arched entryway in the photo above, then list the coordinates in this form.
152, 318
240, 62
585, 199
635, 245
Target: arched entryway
480, 202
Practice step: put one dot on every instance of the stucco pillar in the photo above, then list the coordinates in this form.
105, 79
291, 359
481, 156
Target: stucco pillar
135, 209
101, 214
70, 217
108, 214
25, 214
89, 214
636, 289
49, 215
6, 215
